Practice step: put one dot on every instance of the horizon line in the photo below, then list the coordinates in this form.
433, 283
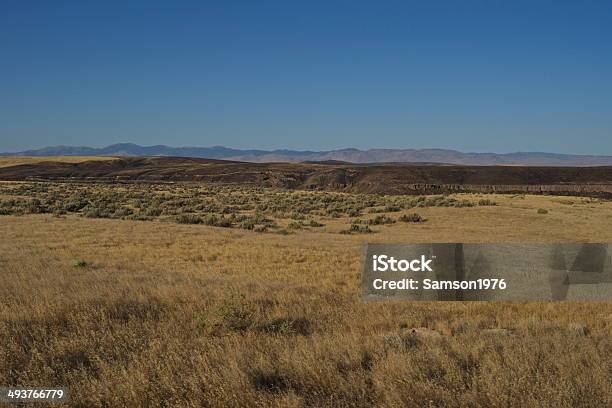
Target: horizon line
300, 150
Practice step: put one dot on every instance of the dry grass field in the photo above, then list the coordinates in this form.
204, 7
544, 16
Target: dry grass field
194, 295
8, 161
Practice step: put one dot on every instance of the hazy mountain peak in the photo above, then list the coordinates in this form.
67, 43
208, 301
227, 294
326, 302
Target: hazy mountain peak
431, 155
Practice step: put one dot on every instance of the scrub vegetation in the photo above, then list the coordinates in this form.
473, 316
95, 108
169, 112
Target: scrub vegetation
231, 206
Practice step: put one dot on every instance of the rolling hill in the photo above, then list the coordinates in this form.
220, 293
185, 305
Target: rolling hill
355, 178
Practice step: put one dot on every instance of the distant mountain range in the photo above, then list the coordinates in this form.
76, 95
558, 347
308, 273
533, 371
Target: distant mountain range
342, 155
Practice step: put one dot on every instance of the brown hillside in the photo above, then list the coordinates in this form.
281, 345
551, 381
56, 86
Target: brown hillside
385, 178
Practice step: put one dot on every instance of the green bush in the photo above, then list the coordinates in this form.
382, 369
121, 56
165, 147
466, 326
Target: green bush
123, 212
223, 222
353, 213
138, 217
486, 202
189, 219
380, 220
153, 211
97, 213
413, 217
247, 225
356, 228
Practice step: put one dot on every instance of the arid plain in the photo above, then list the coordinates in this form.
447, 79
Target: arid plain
133, 296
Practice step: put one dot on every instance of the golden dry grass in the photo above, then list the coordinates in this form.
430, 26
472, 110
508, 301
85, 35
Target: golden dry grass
8, 161
162, 314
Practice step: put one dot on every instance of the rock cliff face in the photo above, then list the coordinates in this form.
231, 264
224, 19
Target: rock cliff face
378, 179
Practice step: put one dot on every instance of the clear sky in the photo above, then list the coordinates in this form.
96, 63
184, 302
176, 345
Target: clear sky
478, 76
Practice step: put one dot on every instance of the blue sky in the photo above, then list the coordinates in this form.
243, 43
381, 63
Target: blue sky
479, 76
